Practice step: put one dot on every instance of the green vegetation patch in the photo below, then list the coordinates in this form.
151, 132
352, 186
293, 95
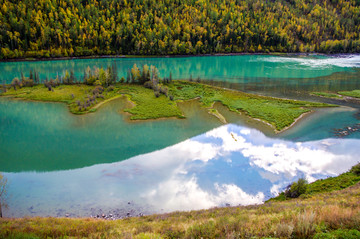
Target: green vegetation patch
146, 104
280, 113
339, 234
330, 184
334, 183
63, 93
69, 94
327, 95
149, 104
353, 93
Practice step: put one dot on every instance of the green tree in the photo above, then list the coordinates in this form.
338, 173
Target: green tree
135, 73
82, 28
296, 188
102, 76
145, 74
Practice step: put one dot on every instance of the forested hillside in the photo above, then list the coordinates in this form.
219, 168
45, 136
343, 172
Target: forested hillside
54, 28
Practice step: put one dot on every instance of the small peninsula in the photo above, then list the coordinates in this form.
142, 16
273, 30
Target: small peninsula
341, 95
154, 97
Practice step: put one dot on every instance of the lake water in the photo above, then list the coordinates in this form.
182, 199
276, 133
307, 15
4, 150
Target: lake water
58, 163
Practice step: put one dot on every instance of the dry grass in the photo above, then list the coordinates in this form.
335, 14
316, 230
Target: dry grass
299, 218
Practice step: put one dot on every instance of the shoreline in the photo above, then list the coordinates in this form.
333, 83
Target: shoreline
217, 115
340, 98
271, 122
132, 210
302, 116
175, 56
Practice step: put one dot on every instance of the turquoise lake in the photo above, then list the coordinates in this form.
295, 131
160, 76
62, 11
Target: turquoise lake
58, 163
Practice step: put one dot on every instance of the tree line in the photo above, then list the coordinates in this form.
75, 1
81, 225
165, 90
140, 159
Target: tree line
101, 78
55, 28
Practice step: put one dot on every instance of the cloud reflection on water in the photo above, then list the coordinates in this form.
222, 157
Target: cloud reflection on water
227, 165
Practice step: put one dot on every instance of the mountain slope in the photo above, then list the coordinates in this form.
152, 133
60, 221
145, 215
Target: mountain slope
54, 28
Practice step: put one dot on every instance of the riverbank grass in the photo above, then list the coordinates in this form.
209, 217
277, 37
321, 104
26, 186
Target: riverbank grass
327, 95
338, 95
353, 93
330, 184
279, 113
332, 213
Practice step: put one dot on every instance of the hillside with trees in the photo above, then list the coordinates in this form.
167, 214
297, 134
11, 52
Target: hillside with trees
55, 28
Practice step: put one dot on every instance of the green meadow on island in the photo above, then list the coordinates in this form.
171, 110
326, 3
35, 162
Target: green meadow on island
179, 119
154, 97
339, 95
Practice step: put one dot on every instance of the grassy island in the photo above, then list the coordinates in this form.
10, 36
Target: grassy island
153, 97
338, 95
327, 95
328, 211
352, 93
82, 98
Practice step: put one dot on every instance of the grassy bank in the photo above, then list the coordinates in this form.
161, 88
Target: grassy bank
322, 214
331, 184
146, 105
280, 113
353, 93
338, 95
327, 95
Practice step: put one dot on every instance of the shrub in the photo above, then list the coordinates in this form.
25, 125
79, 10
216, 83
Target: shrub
204, 230
111, 88
148, 84
284, 230
355, 169
305, 226
339, 234
98, 90
295, 189
15, 82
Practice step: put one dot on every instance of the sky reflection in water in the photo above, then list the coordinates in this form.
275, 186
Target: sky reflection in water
227, 165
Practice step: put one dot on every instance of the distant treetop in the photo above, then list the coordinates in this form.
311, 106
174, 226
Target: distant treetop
55, 28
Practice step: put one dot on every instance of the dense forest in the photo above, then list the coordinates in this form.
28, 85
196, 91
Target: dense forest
54, 28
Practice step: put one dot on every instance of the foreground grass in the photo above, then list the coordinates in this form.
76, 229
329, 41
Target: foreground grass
325, 212
317, 216
279, 113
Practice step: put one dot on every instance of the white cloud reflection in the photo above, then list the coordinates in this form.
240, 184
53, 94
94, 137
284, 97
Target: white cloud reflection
276, 164
227, 165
